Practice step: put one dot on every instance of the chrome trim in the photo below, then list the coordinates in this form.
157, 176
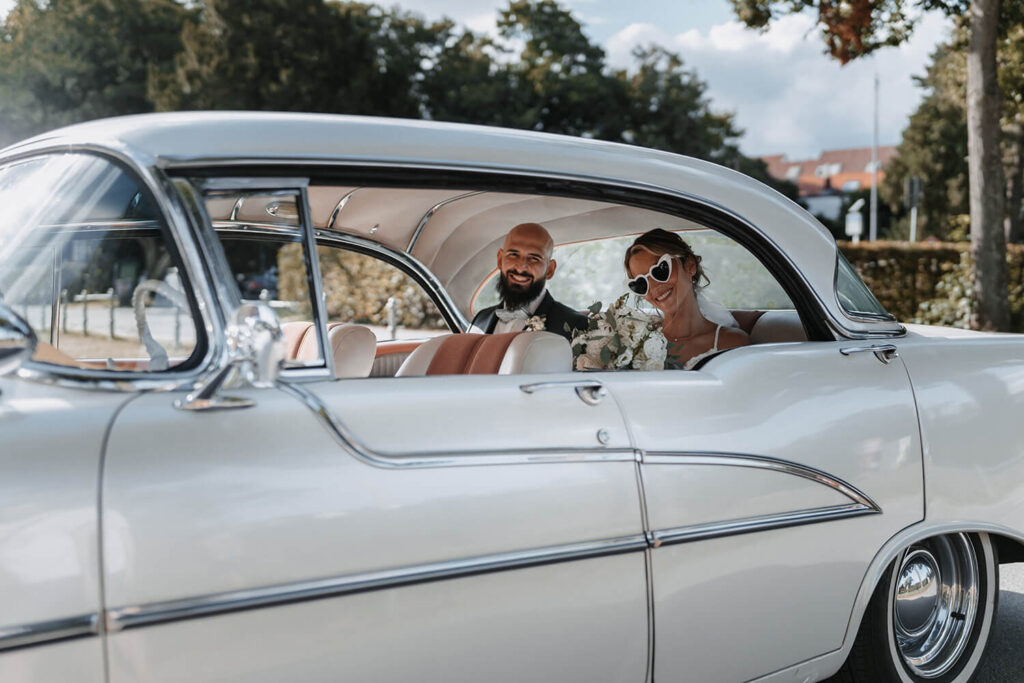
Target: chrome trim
42, 632
746, 525
590, 392
134, 616
411, 265
765, 463
56, 297
475, 458
252, 184
209, 320
250, 227
651, 625
233, 216
883, 352
66, 143
340, 207
430, 214
314, 281
217, 162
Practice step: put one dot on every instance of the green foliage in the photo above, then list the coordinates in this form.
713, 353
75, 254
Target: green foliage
70, 60
930, 282
65, 61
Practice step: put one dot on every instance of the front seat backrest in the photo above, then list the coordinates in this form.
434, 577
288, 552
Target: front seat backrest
354, 348
489, 354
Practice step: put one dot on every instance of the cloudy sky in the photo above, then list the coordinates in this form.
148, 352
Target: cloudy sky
786, 94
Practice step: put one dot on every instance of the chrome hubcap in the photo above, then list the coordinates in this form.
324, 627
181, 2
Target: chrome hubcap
935, 603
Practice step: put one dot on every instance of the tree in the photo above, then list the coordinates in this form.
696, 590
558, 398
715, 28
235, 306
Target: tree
70, 60
296, 55
934, 146
853, 28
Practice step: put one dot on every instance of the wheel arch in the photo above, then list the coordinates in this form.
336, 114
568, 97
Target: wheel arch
1003, 538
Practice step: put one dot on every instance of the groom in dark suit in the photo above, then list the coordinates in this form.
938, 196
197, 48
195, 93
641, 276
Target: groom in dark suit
525, 265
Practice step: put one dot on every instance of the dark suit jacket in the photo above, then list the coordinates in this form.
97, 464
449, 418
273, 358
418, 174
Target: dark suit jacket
556, 315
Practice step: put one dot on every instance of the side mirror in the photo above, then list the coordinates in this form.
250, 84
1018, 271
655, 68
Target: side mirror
256, 351
256, 343
17, 341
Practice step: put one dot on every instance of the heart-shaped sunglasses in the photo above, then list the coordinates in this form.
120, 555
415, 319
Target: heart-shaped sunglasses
659, 272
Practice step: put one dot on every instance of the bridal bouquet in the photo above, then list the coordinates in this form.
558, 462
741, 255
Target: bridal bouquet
620, 338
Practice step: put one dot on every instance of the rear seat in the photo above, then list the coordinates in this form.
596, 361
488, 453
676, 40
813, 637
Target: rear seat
512, 353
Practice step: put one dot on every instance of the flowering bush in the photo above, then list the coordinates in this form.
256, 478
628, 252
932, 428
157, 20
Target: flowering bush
621, 337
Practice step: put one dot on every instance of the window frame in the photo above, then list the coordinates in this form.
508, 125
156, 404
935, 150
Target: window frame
182, 254
819, 321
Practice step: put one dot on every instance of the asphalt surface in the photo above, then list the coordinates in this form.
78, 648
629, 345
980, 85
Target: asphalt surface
1004, 661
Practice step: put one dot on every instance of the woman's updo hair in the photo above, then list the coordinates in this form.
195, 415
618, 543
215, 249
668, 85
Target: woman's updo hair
658, 242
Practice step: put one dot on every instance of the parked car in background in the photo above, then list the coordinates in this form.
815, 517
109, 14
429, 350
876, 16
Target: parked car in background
206, 482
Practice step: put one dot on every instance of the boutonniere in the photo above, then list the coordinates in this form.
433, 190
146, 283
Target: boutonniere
537, 323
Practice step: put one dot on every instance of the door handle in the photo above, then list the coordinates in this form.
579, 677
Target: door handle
883, 352
590, 391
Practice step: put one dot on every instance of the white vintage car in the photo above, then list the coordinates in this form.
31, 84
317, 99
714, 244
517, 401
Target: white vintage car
224, 457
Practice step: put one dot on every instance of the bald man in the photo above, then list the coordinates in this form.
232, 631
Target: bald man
525, 265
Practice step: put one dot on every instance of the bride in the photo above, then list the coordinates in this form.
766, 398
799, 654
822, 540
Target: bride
665, 271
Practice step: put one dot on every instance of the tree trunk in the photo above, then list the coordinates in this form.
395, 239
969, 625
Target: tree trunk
984, 162
1015, 211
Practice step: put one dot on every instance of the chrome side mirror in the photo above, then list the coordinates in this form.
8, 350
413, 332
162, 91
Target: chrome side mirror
17, 341
256, 351
256, 343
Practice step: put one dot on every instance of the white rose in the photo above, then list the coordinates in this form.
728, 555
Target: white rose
625, 358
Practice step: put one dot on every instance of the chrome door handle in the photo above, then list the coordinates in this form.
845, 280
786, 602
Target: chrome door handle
590, 392
883, 352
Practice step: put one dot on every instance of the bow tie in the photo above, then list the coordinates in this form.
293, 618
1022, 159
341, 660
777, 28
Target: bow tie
506, 315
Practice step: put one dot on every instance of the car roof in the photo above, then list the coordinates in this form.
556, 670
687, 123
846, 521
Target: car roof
191, 139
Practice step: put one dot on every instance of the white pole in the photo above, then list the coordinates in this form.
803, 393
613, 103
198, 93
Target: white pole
913, 223
873, 228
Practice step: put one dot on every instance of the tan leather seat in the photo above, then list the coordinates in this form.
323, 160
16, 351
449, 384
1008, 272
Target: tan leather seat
777, 326
294, 333
489, 354
353, 346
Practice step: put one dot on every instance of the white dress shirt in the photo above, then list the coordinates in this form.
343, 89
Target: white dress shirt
502, 326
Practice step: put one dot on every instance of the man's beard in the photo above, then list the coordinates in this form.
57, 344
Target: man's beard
514, 298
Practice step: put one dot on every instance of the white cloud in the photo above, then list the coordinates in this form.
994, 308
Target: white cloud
785, 92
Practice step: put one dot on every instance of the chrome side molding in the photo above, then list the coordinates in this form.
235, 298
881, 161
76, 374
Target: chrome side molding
746, 525
43, 632
128, 617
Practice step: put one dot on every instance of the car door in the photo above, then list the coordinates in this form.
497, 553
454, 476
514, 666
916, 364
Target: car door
772, 476
386, 529
69, 220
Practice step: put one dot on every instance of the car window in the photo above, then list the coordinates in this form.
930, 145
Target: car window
262, 241
854, 296
368, 291
592, 271
86, 259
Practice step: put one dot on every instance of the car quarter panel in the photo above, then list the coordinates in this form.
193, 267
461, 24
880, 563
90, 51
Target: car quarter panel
49, 560
773, 475
970, 394
260, 510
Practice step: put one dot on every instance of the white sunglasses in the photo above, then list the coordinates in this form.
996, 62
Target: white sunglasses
659, 272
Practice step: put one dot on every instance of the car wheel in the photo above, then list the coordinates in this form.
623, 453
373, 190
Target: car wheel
931, 615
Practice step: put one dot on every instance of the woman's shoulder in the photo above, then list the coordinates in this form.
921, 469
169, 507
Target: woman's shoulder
731, 337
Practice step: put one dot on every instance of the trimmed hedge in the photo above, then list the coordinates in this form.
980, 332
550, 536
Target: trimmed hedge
929, 282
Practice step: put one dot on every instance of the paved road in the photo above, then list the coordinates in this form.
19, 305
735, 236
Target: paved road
1005, 661
1005, 658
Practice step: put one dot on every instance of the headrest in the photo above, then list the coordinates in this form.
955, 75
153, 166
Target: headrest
294, 333
354, 348
483, 354
778, 326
